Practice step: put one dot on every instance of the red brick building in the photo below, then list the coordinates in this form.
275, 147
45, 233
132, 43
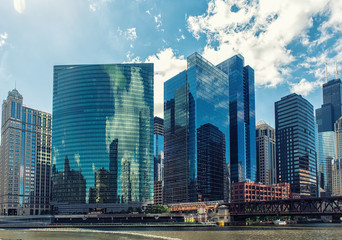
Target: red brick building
249, 191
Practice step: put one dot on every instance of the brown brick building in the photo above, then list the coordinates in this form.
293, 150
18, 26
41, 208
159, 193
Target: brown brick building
249, 191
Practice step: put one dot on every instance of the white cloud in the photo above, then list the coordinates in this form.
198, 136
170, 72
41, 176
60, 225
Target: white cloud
304, 87
260, 31
3, 37
95, 5
19, 5
130, 33
157, 20
182, 37
166, 65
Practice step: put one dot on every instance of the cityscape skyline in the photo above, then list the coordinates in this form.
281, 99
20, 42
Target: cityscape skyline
91, 33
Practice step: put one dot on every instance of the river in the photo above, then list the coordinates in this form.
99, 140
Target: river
292, 232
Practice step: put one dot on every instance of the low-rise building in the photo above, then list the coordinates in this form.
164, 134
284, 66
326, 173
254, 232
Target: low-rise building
249, 191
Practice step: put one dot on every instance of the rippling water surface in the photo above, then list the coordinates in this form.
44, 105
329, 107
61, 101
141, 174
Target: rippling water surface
317, 231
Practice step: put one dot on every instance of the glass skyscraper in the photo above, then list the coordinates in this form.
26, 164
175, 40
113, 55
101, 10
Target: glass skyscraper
103, 133
158, 161
196, 128
25, 158
295, 144
325, 156
242, 118
337, 163
326, 116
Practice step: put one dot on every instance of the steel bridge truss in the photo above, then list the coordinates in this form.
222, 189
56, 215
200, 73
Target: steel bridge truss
306, 206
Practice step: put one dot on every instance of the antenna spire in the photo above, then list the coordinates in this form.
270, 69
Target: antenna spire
326, 73
15, 84
337, 75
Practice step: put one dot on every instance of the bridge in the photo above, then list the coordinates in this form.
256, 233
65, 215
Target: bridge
331, 206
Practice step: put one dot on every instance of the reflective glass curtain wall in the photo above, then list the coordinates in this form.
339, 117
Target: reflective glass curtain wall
326, 156
242, 118
196, 121
326, 116
103, 133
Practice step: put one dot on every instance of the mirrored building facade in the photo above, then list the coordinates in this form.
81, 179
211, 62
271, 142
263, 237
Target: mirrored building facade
196, 128
103, 134
295, 144
337, 162
242, 118
158, 161
326, 116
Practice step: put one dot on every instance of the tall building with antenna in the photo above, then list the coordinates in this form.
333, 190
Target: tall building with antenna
25, 158
326, 116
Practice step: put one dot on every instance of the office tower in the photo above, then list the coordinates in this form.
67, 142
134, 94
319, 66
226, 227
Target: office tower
325, 158
158, 161
25, 158
295, 144
266, 154
196, 119
103, 134
242, 118
337, 162
331, 109
326, 116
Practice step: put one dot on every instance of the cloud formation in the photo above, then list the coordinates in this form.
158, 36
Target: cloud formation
19, 5
304, 87
262, 31
3, 37
166, 65
130, 33
95, 5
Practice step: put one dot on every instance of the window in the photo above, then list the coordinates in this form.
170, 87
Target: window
12, 109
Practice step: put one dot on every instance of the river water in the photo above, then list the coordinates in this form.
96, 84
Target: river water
303, 232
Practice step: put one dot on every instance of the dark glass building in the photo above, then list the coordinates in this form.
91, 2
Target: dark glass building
103, 134
210, 155
158, 149
158, 161
242, 118
326, 116
331, 110
196, 128
295, 144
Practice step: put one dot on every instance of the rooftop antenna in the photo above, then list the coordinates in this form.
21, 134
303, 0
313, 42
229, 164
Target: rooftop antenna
15, 84
337, 75
326, 73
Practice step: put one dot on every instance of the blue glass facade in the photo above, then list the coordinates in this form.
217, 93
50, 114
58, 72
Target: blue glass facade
325, 155
326, 116
158, 149
242, 119
295, 144
196, 119
103, 133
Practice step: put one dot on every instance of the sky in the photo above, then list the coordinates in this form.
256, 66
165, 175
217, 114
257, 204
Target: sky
289, 43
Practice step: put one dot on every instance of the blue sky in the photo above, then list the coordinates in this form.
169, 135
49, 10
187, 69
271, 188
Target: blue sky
286, 42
